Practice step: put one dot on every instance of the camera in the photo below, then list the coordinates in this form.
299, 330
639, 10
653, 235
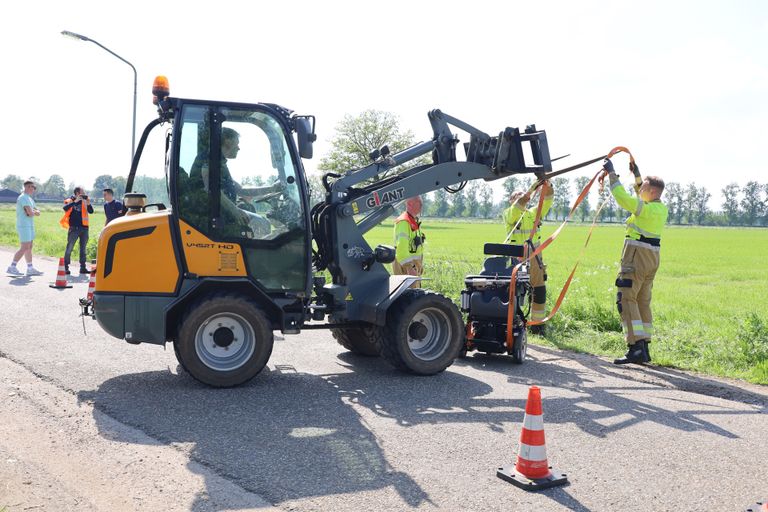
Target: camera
83, 196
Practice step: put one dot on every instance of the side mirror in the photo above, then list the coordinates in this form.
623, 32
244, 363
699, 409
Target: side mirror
305, 133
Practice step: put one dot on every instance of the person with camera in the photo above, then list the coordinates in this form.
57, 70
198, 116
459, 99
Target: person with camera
409, 242
75, 221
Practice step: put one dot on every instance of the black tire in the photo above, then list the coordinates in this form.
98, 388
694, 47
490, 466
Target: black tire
224, 340
520, 346
424, 332
364, 341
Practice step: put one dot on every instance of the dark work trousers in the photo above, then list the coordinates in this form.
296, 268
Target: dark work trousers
76, 233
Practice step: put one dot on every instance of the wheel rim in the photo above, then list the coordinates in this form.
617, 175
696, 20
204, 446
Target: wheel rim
429, 334
523, 341
225, 342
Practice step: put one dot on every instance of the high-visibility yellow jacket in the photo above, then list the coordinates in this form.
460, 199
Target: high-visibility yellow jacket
647, 219
409, 240
512, 214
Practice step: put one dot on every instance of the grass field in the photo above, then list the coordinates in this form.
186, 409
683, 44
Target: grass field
709, 303
50, 237
709, 297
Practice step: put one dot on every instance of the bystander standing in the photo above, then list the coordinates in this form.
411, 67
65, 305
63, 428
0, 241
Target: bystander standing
26, 211
112, 207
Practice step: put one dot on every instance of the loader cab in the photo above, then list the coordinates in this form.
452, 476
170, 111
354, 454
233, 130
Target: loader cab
237, 190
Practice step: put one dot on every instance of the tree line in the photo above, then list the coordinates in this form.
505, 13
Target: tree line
357, 138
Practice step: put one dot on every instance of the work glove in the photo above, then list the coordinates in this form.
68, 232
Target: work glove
634, 167
608, 167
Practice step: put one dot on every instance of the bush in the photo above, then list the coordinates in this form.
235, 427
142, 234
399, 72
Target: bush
752, 339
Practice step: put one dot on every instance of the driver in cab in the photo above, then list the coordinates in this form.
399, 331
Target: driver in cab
236, 200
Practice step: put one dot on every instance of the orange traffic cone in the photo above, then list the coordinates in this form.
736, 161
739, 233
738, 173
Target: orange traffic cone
532, 472
61, 277
91, 284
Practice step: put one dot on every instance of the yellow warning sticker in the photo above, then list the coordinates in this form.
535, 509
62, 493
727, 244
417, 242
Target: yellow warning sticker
355, 210
348, 297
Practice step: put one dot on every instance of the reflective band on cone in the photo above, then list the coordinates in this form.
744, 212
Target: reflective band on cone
91, 284
61, 277
532, 471
532, 456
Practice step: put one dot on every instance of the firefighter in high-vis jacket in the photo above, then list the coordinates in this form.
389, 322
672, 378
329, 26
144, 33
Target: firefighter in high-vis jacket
519, 221
409, 242
639, 262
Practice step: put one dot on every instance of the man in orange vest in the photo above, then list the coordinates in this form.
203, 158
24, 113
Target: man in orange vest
409, 242
75, 221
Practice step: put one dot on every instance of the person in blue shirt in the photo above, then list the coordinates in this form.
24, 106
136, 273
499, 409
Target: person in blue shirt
26, 211
112, 207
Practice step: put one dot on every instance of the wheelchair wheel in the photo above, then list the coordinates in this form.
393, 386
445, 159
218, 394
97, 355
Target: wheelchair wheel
520, 347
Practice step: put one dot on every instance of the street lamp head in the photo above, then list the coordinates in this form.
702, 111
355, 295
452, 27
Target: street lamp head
74, 35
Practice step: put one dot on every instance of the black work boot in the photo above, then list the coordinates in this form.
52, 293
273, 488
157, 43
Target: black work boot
538, 329
647, 346
635, 354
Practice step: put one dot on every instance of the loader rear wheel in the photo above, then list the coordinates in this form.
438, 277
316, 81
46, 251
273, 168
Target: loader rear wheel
365, 341
224, 340
424, 332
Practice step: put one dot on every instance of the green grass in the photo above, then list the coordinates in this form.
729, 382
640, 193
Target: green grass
50, 237
710, 310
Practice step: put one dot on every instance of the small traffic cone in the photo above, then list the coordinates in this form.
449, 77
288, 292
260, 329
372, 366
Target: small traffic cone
532, 472
61, 277
91, 284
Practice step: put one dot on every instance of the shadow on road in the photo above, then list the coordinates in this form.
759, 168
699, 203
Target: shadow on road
284, 436
290, 435
599, 410
19, 280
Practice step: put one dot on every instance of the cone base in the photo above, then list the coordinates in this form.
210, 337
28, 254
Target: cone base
511, 475
54, 285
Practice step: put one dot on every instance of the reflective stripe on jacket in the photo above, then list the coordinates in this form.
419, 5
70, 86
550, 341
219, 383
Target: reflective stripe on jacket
512, 214
646, 219
407, 230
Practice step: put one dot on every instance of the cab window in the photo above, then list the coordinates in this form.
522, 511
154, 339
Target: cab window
237, 182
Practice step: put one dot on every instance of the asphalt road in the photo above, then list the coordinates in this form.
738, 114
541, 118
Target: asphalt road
321, 429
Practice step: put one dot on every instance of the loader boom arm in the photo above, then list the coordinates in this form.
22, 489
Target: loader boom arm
362, 288
488, 158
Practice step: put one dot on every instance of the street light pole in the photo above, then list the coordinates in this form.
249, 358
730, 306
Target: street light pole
73, 35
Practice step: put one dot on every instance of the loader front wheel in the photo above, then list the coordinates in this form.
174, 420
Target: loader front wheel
364, 341
424, 332
224, 340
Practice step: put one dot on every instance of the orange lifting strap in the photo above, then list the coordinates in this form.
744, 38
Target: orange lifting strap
527, 257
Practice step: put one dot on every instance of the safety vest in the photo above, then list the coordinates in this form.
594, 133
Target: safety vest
512, 214
409, 240
64, 221
647, 219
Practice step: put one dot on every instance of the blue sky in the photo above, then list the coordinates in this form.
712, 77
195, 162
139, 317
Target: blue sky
683, 84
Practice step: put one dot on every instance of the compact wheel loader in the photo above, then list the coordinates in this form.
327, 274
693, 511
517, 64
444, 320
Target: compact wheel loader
240, 253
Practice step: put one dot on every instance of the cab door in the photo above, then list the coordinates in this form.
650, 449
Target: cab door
240, 200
